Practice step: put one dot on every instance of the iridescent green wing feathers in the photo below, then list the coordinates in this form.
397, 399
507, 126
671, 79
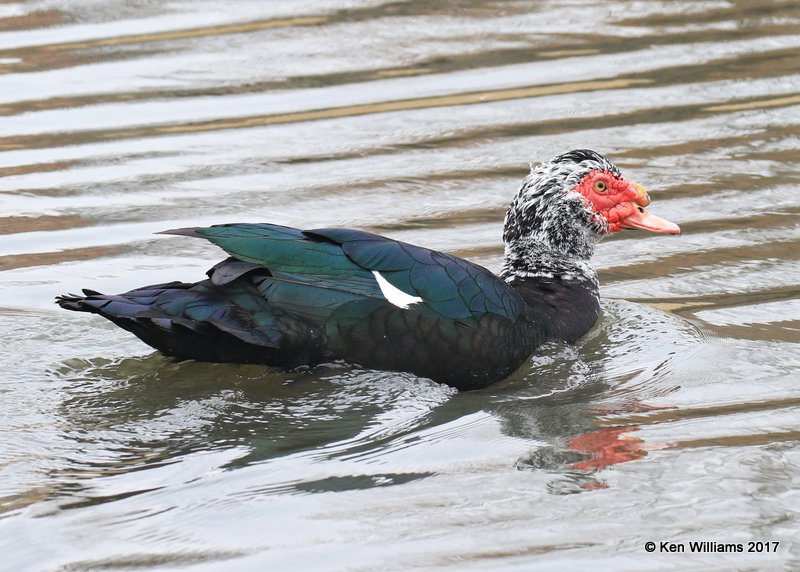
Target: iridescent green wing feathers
345, 259
465, 326
288, 297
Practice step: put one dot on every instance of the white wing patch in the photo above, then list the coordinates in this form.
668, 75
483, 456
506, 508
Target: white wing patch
395, 295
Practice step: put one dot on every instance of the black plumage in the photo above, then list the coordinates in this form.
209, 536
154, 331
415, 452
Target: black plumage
288, 297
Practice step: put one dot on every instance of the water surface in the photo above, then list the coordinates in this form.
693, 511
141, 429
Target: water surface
675, 419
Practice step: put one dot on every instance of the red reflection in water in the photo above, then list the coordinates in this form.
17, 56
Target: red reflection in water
607, 447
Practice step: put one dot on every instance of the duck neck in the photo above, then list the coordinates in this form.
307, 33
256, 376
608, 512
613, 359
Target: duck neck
562, 292
531, 258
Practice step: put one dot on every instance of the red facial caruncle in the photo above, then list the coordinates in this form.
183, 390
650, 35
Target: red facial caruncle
622, 203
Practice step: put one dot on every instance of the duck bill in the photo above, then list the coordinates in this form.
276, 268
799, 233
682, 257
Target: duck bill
644, 220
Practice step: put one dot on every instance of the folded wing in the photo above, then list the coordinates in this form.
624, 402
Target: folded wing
288, 297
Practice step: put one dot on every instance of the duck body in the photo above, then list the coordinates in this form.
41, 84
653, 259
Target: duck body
287, 297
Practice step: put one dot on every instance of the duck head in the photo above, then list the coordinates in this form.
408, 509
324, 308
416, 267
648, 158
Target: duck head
564, 208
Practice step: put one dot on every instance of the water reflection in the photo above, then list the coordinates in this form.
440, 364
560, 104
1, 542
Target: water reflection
676, 417
134, 414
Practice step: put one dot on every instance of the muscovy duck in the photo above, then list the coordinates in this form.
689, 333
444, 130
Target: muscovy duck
287, 297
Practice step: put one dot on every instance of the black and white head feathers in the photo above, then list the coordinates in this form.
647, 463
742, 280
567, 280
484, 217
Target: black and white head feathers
549, 231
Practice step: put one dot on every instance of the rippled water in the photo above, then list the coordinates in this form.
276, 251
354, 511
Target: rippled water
674, 419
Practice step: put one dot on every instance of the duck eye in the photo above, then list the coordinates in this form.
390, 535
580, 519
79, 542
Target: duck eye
600, 186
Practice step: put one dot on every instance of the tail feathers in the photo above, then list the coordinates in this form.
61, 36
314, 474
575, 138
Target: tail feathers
135, 300
72, 301
204, 322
